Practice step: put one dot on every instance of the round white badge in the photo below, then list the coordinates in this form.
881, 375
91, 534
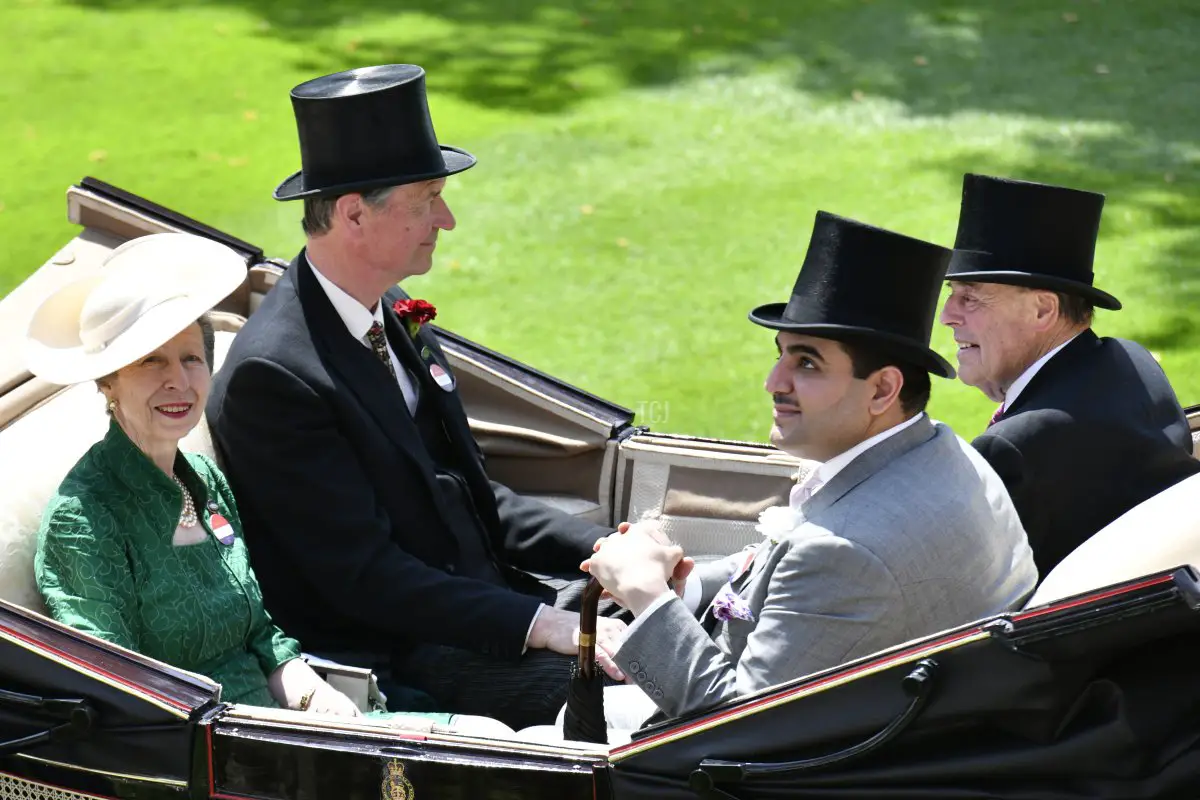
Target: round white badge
442, 377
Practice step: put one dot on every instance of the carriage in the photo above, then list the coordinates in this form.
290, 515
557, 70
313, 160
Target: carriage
1089, 690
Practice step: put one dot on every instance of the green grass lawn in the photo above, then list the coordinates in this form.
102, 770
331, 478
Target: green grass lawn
648, 169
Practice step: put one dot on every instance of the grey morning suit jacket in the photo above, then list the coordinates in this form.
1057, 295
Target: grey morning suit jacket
915, 535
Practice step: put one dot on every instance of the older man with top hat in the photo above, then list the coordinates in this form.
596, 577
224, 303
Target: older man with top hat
901, 531
1086, 427
375, 531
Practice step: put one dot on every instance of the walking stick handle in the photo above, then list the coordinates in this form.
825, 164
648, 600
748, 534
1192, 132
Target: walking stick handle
589, 606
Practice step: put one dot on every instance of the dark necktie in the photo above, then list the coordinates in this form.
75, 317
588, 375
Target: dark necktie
378, 342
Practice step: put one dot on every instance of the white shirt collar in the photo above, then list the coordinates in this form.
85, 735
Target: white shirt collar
357, 318
825, 472
1021, 382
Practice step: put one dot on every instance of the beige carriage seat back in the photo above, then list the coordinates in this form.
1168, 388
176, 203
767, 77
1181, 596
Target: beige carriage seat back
36, 452
705, 495
1160, 533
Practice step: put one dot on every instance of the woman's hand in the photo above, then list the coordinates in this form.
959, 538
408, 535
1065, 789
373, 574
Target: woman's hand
295, 685
327, 700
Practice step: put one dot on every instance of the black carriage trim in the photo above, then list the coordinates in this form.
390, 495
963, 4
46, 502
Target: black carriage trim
173, 690
185, 223
1015, 629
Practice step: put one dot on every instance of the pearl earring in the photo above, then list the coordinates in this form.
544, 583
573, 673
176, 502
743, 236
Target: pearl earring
112, 406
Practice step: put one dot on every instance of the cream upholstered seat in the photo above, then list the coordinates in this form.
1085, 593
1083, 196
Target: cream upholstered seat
1160, 533
36, 452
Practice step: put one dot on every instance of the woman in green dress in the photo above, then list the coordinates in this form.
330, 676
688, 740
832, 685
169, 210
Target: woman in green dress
141, 544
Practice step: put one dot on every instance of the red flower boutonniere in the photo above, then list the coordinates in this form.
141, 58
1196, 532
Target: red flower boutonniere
414, 314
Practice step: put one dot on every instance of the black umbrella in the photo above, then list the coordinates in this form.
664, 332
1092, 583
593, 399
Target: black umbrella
583, 720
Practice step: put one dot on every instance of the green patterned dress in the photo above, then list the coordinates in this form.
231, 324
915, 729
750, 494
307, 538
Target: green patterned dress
106, 565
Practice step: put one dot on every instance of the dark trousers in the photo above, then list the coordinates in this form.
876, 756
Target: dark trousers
518, 693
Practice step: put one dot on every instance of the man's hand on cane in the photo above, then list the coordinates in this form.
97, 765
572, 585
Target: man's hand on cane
637, 564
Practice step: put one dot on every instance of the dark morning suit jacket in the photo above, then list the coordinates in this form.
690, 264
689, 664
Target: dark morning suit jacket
1097, 431
361, 537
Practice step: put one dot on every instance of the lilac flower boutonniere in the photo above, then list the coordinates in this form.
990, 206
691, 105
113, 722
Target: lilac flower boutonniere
728, 605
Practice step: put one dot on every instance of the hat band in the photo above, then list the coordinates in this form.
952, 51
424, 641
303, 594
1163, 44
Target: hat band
971, 261
101, 336
982, 261
810, 310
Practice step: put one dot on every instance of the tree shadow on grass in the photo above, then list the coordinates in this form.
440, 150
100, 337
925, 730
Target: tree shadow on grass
1126, 69
1118, 61
528, 55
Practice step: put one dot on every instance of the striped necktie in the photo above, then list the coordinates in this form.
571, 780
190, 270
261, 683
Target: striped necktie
378, 342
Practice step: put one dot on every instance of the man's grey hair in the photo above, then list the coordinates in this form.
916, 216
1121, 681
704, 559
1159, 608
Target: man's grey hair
318, 211
1076, 309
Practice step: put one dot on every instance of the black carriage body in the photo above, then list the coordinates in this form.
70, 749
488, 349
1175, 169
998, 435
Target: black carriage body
1094, 696
1091, 697
135, 720
250, 760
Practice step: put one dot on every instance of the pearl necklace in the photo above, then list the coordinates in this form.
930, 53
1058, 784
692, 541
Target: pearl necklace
188, 518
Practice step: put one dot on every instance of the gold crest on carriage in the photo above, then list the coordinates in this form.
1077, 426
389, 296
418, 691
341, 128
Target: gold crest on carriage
396, 785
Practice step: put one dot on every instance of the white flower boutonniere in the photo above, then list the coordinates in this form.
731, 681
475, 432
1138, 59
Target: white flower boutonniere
777, 522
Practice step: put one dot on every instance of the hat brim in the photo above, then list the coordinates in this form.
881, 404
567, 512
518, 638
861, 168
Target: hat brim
1032, 280
905, 349
54, 352
293, 188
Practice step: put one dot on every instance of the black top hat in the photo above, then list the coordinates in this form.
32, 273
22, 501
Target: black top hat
862, 283
366, 128
1028, 234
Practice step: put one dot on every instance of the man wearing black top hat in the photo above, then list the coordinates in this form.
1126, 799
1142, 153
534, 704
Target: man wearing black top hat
903, 530
1087, 427
374, 530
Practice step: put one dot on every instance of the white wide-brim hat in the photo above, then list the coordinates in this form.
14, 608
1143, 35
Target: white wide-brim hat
148, 290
